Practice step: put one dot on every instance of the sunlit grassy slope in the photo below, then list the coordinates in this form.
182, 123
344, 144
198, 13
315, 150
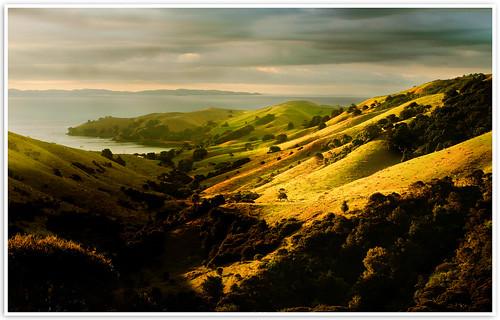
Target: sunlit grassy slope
222, 121
315, 190
32, 176
314, 186
371, 157
325, 189
292, 111
176, 121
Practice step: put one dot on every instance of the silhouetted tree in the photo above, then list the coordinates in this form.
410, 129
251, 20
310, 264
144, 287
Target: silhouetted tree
280, 138
199, 154
107, 154
344, 207
185, 165
273, 149
282, 196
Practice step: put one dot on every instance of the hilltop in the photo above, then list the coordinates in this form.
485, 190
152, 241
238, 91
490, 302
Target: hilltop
212, 124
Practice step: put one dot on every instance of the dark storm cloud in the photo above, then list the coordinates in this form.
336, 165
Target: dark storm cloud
267, 46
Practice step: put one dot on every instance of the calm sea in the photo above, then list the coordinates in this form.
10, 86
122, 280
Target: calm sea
48, 118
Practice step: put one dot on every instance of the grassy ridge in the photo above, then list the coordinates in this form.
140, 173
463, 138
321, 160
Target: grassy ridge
203, 124
39, 170
350, 159
322, 193
111, 127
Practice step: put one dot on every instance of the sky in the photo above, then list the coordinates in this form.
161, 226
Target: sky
336, 52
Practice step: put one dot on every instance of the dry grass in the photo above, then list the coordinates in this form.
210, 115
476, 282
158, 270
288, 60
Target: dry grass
29, 245
457, 160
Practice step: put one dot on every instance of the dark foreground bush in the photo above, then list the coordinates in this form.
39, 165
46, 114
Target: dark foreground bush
427, 250
52, 274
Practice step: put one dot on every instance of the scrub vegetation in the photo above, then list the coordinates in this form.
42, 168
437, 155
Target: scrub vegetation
291, 207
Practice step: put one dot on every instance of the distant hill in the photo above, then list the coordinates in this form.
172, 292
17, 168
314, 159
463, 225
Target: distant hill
320, 161
212, 124
337, 201
94, 92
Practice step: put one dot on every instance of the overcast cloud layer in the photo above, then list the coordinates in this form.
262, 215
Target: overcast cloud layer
282, 51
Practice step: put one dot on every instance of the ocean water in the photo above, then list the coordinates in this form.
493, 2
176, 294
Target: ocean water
48, 118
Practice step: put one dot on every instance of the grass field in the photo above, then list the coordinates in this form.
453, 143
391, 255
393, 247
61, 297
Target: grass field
316, 173
32, 166
326, 194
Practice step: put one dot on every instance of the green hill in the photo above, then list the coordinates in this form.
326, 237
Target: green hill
368, 170
204, 226
65, 179
213, 124
306, 176
156, 127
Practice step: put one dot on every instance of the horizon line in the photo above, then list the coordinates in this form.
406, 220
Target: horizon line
179, 89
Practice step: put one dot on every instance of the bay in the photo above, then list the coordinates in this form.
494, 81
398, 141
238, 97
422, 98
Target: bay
48, 118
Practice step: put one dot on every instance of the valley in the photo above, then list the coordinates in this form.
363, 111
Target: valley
391, 194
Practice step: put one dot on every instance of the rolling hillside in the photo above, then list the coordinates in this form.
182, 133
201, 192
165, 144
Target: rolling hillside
367, 171
72, 179
211, 225
212, 123
111, 127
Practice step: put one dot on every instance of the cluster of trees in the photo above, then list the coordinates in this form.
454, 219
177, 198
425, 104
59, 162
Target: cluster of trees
396, 100
154, 131
150, 200
232, 135
429, 250
280, 138
354, 110
226, 166
246, 196
268, 136
265, 119
199, 153
175, 183
230, 237
184, 165
273, 149
106, 153
412, 110
317, 121
451, 84
467, 113
165, 157
336, 112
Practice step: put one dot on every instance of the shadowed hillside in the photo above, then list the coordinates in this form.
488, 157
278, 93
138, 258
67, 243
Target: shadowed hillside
330, 205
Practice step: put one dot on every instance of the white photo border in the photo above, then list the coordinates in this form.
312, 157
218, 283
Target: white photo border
212, 4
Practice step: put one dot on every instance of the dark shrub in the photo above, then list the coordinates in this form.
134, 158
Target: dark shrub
76, 177
53, 274
57, 172
199, 154
185, 165
280, 138
267, 137
265, 119
213, 287
273, 149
